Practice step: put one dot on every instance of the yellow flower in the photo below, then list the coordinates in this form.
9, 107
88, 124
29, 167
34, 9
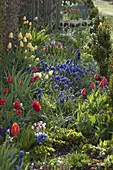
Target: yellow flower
30, 36
32, 48
21, 44
35, 48
29, 45
24, 39
9, 46
25, 51
27, 35
30, 23
24, 18
50, 72
47, 76
11, 35
27, 22
20, 36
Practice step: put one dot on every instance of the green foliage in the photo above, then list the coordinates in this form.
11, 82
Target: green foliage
77, 160
7, 156
101, 45
27, 138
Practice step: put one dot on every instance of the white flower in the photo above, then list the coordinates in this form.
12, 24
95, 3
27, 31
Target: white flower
37, 74
37, 59
47, 76
50, 72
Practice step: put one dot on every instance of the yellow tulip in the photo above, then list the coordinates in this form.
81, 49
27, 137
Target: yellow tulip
30, 23
29, 45
9, 46
24, 39
27, 22
20, 36
21, 44
32, 48
11, 35
35, 48
24, 18
27, 35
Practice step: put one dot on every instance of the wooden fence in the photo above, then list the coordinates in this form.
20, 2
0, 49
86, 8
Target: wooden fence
46, 12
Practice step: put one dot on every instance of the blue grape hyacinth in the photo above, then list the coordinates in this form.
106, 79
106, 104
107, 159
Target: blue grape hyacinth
41, 137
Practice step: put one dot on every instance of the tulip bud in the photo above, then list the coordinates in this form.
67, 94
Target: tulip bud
24, 18
11, 35
9, 46
20, 36
15, 129
25, 40
21, 44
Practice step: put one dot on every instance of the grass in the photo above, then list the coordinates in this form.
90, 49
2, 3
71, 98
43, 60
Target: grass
106, 9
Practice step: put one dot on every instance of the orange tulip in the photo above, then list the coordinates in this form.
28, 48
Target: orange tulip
15, 129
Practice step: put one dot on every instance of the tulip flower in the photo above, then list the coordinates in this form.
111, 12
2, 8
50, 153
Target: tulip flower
83, 92
18, 112
24, 18
21, 44
104, 79
9, 46
2, 101
102, 83
11, 35
20, 36
15, 129
9, 79
36, 105
96, 76
24, 39
92, 85
16, 105
34, 70
5, 90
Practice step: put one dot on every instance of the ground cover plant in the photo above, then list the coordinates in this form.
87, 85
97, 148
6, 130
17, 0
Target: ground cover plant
55, 101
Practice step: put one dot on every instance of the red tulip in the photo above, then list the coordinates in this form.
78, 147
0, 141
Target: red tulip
92, 85
34, 70
83, 92
5, 90
15, 129
2, 101
16, 105
33, 79
18, 112
9, 79
104, 79
96, 76
36, 105
102, 83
